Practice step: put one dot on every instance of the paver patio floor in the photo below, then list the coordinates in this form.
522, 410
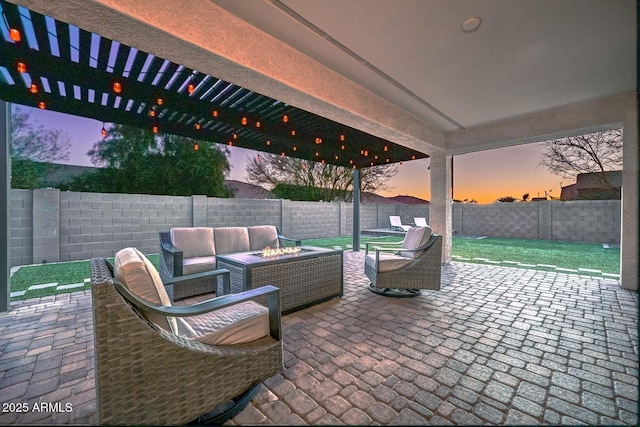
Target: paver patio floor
496, 345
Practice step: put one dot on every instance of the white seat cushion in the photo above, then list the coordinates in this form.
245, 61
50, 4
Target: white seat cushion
237, 324
387, 262
198, 264
262, 236
138, 274
193, 241
231, 239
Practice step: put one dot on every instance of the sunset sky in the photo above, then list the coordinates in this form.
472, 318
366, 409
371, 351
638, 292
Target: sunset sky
484, 176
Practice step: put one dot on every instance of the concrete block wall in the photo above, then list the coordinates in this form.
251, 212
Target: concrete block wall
98, 225
368, 217
21, 211
384, 212
586, 221
513, 220
408, 212
346, 218
243, 212
64, 226
310, 220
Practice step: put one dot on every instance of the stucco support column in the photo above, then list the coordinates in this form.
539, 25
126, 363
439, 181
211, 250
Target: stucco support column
440, 218
356, 210
629, 231
5, 197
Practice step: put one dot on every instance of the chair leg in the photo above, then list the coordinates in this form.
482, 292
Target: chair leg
394, 293
227, 410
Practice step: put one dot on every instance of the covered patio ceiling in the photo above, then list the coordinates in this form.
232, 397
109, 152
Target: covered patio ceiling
409, 72
53, 65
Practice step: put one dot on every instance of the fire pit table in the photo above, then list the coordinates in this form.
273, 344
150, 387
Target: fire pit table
306, 277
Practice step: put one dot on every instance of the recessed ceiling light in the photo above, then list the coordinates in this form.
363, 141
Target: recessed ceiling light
471, 25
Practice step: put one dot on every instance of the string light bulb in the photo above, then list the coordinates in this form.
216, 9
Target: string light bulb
22, 67
196, 147
386, 148
198, 126
258, 124
15, 35
244, 121
42, 105
293, 133
282, 155
160, 101
117, 87
285, 118
341, 137
230, 143
155, 129
191, 88
295, 148
152, 113
258, 158
235, 136
103, 131
215, 113
33, 88
268, 142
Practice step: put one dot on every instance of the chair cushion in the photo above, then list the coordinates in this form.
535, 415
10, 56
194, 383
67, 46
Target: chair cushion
231, 239
387, 262
138, 274
415, 237
198, 264
262, 236
193, 241
237, 324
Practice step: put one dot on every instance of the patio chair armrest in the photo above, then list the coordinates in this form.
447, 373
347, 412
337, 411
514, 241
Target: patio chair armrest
380, 243
271, 292
226, 278
172, 257
288, 239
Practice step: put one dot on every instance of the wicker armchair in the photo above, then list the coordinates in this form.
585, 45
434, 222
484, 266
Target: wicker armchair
404, 268
148, 375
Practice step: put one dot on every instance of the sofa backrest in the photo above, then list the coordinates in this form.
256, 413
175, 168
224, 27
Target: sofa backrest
231, 239
261, 236
193, 241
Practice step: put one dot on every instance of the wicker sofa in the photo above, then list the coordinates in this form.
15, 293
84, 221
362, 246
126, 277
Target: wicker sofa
160, 364
191, 250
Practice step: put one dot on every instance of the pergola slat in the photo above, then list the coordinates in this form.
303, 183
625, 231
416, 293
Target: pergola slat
219, 108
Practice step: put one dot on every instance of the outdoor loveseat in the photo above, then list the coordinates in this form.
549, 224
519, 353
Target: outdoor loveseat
408, 266
157, 363
190, 250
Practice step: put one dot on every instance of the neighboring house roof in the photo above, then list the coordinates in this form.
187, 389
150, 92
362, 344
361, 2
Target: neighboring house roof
595, 179
243, 190
591, 186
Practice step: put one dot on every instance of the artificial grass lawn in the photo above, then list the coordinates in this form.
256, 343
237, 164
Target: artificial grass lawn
542, 254
531, 252
62, 273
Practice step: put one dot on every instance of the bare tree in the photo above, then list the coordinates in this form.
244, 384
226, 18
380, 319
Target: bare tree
32, 141
32, 145
271, 170
593, 152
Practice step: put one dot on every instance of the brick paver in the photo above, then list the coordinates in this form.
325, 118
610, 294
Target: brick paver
496, 345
